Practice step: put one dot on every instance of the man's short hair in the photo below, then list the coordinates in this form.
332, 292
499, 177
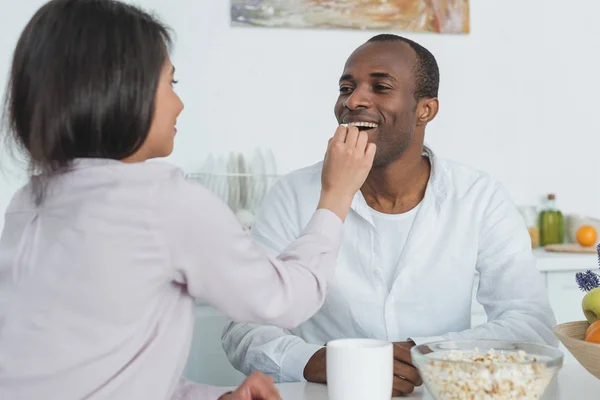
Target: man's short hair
427, 73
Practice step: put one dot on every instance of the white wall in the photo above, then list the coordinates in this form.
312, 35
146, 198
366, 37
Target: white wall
518, 94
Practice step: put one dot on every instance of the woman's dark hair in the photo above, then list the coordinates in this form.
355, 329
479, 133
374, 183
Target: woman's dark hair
83, 82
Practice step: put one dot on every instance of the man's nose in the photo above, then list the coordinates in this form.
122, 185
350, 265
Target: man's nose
358, 99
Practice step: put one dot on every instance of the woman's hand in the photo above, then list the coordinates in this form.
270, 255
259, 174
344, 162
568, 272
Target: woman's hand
347, 164
256, 387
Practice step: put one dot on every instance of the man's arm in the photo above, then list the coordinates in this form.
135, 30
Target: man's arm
271, 350
268, 349
511, 288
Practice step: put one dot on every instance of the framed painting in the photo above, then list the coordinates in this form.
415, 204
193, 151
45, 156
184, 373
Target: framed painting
438, 16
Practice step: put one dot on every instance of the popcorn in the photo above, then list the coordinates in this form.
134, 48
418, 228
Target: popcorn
490, 376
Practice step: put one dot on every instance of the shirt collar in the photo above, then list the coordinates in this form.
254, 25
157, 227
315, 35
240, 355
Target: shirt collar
436, 187
79, 163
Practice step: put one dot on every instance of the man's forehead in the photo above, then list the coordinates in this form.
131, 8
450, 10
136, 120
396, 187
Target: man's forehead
393, 57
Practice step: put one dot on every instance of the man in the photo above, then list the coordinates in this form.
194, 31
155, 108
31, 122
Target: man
418, 232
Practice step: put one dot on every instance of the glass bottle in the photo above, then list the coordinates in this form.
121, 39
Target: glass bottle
552, 228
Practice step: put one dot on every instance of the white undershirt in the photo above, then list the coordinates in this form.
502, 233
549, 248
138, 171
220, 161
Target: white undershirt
392, 233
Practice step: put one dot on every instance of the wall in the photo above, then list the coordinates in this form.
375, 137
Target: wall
518, 94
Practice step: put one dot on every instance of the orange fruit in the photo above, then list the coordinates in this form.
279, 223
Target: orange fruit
593, 332
586, 235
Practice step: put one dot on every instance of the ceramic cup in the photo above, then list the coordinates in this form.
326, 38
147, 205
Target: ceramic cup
360, 369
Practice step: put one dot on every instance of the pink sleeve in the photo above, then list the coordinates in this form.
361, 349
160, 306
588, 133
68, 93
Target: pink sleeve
219, 263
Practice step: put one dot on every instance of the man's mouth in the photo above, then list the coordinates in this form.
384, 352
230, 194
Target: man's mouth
363, 126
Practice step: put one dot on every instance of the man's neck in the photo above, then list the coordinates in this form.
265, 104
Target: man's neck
399, 186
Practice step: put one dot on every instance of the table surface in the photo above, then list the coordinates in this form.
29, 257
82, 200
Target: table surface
572, 382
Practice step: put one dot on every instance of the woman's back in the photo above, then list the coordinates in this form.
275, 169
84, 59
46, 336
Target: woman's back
99, 265
100, 281
92, 274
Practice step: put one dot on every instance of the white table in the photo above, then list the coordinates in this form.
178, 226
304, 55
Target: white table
572, 382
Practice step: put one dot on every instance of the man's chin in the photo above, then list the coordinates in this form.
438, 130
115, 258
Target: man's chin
385, 157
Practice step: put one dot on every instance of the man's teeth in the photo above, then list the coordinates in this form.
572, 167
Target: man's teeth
364, 124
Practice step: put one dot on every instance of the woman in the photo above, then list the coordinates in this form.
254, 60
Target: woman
102, 254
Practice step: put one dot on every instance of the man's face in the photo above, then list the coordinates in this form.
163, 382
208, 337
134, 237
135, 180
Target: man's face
377, 95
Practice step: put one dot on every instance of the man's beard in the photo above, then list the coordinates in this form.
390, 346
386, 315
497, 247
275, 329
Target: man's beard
391, 152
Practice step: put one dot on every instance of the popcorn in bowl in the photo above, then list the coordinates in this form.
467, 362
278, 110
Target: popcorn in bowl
501, 371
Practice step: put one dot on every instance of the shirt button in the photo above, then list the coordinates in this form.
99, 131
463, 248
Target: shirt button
377, 272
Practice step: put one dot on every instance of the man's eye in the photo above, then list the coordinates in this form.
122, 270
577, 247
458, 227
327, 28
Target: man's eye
381, 87
345, 89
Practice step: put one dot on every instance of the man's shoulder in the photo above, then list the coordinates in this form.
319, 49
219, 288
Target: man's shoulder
307, 178
475, 192
463, 178
287, 208
294, 193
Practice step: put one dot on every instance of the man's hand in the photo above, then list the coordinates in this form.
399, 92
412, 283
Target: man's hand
256, 387
406, 376
316, 368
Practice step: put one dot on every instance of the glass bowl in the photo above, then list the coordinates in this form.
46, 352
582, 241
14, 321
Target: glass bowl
486, 369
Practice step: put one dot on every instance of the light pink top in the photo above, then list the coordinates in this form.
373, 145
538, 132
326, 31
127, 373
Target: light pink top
97, 284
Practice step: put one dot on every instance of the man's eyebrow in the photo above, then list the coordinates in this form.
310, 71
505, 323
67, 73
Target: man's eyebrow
384, 75
381, 75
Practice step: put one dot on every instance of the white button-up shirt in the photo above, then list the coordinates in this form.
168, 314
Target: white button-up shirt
466, 225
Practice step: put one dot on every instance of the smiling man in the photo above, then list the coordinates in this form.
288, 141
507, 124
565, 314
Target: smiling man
418, 233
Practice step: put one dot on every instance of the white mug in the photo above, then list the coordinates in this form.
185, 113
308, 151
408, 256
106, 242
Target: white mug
360, 369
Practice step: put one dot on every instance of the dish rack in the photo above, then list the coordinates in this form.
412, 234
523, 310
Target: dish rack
240, 180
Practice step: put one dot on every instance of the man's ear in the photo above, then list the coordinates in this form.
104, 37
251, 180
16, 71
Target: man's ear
427, 109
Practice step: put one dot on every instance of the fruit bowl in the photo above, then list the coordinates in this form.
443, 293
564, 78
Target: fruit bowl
490, 369
571, 334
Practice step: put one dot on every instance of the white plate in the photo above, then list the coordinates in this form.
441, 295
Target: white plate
244, 182
260, 181
233, 182
220, 186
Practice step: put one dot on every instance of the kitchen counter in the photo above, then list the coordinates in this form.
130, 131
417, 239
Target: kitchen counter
572, 382
553, 262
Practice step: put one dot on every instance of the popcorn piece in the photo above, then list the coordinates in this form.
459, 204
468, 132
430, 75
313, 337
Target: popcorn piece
490, 376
